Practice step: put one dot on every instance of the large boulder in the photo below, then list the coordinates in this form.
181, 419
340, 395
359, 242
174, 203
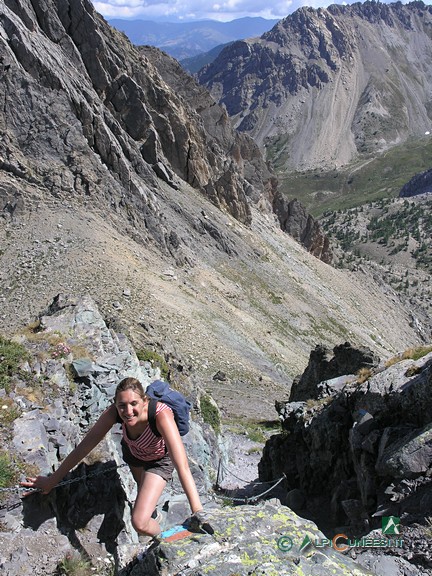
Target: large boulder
324, 365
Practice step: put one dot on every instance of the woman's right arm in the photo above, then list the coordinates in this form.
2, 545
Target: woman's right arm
96, 433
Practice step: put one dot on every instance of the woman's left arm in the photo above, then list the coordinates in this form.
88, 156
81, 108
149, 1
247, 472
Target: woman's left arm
168, 429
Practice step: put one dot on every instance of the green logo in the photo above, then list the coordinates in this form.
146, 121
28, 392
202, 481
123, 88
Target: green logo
285, 543
390, 525
305, 544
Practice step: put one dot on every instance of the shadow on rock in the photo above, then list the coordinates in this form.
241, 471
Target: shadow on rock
87, 492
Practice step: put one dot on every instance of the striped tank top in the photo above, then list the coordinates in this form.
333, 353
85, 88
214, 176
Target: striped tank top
147, 446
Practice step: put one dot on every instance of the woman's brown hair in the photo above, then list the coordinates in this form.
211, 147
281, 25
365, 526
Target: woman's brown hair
130, 384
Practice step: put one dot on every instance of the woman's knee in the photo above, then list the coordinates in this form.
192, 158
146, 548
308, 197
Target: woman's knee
141, 524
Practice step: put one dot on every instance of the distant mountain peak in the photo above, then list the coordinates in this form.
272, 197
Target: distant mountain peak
188, 39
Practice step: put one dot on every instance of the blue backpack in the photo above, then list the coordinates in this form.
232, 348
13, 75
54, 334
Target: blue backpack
161, 392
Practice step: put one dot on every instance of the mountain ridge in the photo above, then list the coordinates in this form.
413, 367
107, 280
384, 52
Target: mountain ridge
327, 85
189, 39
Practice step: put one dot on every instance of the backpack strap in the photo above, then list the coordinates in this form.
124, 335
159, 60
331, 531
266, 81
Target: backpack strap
152, 416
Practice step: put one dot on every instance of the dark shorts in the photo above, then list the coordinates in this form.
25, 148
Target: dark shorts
162, 467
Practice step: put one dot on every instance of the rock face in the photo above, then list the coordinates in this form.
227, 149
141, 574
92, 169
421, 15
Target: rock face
323, 366
96, 97
360, 451
246, 542
298, 223
262, 189
324, 86
74, 363
419, 184
104, 125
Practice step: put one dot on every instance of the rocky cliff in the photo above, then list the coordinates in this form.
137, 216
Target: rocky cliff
326, 86
106, 126
86, 115
356, 447
263, 191
66, 371
419, 184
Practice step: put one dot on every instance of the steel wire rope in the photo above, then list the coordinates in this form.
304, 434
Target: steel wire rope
247, 499
17, 487
242, 479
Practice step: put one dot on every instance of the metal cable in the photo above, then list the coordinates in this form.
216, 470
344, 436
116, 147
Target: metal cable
245, 500
248, 499
17, 487
241, 479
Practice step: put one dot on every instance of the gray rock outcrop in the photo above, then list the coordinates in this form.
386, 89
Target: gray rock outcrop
77, 361
326, 365
419, 184
360, 450
294, 219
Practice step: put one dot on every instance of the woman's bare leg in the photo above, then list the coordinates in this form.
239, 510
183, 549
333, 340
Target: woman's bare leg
149, 491
137, 473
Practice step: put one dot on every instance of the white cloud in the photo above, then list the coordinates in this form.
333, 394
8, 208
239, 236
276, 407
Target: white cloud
198, 10
193, 9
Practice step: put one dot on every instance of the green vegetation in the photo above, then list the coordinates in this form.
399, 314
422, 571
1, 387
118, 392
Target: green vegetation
73, 565
9, 411
368, 180
410, 354
256, 430
7, 473
210, 413
11, 357
391, 225
156, 360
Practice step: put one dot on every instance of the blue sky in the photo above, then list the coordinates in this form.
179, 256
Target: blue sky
186, 10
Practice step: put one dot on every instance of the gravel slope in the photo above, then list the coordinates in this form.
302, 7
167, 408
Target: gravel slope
253, 314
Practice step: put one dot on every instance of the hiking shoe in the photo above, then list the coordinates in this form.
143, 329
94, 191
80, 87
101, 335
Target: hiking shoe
199, 522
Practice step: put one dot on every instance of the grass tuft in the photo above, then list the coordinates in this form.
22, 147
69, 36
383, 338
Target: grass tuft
210, 413
73, 565
409, 354
12, 355
7, 472
156, 360
363, 375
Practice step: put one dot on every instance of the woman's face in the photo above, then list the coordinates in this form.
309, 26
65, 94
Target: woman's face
130, 407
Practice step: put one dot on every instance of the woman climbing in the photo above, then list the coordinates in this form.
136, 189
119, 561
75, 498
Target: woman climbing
151, 458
